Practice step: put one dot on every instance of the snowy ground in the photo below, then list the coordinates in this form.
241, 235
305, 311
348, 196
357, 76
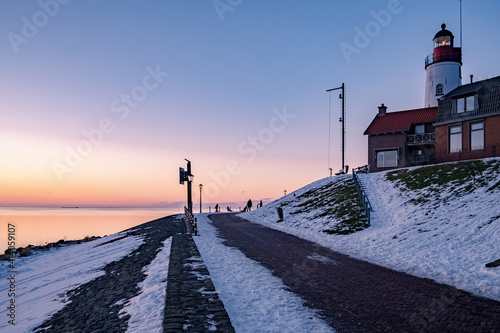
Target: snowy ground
448, 237
255, 300
147, 308
43, 279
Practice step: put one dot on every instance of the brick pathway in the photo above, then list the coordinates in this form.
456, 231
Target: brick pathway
356, 296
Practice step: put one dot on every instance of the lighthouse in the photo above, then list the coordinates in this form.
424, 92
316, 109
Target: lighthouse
442, 67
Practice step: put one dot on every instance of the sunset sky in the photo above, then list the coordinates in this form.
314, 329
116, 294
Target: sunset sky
101, 101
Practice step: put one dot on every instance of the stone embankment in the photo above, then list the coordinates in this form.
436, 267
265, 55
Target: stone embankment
191, 301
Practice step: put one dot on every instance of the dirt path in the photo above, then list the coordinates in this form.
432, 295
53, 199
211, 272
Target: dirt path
356, 296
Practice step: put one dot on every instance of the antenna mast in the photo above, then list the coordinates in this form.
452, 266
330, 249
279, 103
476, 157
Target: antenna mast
461, 45
342, 120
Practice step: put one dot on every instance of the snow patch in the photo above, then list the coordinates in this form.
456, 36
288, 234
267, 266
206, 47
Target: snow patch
255, 300
147, 308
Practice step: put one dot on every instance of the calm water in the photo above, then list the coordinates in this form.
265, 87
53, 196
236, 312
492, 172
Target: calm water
38, 226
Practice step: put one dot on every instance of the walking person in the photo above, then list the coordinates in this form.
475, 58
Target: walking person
249, 205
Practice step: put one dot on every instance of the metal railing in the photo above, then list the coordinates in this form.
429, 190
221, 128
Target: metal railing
191, 222
420, 160
362, 194
421, 138
448, 54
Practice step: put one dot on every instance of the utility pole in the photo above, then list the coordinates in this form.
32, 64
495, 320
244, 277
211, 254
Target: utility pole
342, 120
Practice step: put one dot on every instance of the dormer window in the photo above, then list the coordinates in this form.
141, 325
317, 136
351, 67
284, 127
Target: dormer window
439, 90
466, 104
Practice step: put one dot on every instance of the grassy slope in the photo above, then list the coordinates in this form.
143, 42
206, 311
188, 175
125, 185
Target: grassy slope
439, 222
460, 178
330, 204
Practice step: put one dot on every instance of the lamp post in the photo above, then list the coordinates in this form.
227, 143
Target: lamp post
201, 187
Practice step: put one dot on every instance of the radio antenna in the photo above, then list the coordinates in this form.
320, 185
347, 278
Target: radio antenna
461, 45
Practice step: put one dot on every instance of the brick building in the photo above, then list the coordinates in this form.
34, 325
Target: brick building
401, 139
468, 122
460, 122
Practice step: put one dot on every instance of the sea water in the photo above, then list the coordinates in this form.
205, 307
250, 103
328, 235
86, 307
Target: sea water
39, 226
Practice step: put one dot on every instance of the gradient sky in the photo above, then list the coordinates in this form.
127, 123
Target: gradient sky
236, 86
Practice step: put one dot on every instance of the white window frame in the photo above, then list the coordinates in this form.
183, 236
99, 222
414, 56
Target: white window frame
439, 89
381, 161
420, 126
458, 134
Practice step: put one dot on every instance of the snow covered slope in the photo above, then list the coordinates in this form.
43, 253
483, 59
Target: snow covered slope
42, 280
440, 222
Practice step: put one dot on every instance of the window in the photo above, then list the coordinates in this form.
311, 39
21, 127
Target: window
469, 103
420, 129
455, 138
442, 41
460, 105
439, 89
477, 135
387, 158
466, 104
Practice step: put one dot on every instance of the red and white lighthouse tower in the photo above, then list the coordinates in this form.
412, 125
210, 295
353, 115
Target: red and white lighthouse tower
443, 67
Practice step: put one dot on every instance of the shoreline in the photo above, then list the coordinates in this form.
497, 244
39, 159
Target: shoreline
30, 249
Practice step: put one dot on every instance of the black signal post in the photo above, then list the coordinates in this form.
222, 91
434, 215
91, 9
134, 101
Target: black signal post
186, 175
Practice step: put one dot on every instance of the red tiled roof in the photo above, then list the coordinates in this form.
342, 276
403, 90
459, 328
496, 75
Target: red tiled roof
401, 120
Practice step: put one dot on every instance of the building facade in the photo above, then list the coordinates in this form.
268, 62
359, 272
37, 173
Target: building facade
401, 139
459, 122
468, 122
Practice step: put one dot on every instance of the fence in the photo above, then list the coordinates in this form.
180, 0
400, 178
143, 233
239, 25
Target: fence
362, 192
190, 222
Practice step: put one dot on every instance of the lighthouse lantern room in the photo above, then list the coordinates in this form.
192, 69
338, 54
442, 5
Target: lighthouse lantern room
443, 67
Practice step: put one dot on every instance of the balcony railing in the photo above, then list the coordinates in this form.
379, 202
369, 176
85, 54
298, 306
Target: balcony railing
444, 54
423, 138
420, 160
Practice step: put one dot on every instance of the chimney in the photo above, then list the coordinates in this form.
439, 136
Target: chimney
471, 78
382, 110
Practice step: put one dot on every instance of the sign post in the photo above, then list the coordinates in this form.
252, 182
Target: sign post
187, 176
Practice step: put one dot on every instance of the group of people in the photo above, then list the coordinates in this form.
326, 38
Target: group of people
250, 204
247, 208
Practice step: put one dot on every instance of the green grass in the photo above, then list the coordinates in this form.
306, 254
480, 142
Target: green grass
458, 178
336, 201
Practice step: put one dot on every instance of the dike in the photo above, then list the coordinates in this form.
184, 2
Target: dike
191, 299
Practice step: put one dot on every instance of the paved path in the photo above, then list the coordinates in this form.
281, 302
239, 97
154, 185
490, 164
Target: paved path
356, 296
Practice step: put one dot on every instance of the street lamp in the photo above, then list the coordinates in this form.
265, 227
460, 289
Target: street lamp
201, 187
